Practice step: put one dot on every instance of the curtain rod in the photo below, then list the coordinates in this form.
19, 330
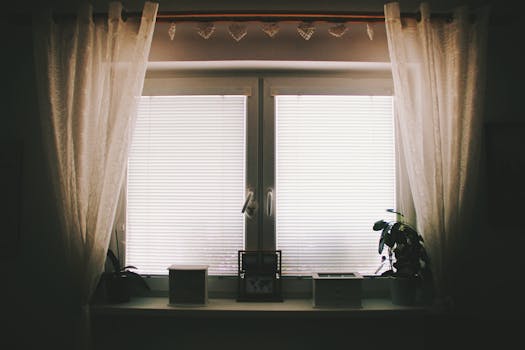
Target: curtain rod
347, 17
270, 17
276, 17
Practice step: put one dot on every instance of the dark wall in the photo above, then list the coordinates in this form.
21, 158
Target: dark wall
413, 331
496, 259
37, 305
260, 333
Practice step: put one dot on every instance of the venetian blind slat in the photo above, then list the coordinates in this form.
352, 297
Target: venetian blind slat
186, 183
335, 177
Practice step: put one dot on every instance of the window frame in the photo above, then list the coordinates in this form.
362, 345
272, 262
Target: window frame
169, 85
274, 86
259, 86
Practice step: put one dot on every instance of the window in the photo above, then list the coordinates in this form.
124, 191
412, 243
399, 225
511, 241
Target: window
317, 153
334, 176
188, 168
185, 182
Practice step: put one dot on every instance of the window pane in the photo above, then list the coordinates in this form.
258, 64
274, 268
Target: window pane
334, 178
186, 178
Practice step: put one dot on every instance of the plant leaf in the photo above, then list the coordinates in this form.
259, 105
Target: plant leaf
379, 225
381, 245
137, 277
387, 236
383, 238
114, 260
387, 273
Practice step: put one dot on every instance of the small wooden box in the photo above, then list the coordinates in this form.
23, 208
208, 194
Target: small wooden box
337, 289
188, 284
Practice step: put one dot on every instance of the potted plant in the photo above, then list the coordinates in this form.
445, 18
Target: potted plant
409, 264
119, 281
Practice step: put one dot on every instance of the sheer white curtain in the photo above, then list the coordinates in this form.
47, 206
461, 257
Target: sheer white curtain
438, 72
90, 72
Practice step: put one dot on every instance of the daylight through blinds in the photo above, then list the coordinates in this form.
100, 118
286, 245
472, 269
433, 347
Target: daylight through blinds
335, 177
186, 183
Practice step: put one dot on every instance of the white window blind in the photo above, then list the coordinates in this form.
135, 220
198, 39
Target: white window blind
334, 178
185, 185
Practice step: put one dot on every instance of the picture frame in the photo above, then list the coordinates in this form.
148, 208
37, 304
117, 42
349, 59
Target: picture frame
259, 275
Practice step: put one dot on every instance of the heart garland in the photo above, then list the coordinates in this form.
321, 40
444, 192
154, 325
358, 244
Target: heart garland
270, 28
370, 31
237, 31
171, 30
306, 30
205, 29
338, 30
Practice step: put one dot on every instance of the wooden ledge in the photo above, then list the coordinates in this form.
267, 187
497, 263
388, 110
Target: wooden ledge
220, 308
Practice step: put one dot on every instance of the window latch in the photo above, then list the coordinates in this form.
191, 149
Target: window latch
250, 205
269, 202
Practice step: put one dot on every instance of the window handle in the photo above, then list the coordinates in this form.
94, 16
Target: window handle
250, 205
269, 202
247, 201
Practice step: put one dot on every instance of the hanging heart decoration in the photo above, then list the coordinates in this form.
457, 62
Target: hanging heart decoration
306, 30
370, 31
171, 30
338, 30
237, 31
205, 29
270, 28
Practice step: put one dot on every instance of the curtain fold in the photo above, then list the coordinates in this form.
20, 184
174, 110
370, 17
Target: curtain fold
90, 73
438, 71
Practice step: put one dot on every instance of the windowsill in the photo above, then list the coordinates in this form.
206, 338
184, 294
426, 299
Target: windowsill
158, 306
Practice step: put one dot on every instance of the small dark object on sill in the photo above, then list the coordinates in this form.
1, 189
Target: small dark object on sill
259, 276
409, 264
117, 284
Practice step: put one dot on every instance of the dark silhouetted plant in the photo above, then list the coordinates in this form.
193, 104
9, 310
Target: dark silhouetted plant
124, 272
406, 245
119, 280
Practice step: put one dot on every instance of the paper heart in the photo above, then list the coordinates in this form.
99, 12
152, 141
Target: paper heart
271, 28
370, 31
205, 30
171, 30
338, 30
306, 30
237, 31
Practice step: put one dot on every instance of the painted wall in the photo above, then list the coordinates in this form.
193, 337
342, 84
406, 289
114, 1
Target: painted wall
287, 45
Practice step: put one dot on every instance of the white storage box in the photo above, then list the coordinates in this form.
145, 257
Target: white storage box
338, 289
188, 284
